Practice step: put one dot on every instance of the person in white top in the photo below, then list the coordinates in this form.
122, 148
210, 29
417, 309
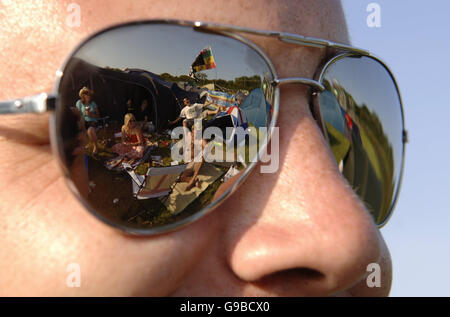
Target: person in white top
190, 112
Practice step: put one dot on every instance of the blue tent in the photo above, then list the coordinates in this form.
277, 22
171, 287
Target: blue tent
256, 108
331, 112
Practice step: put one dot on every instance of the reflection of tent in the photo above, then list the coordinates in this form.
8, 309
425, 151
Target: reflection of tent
221, 98
347, 147
331, 112
232, 118
113, 87
191, 94
256, 108
238, 116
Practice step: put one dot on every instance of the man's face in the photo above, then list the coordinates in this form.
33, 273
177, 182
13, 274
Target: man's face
187, 103
300, 231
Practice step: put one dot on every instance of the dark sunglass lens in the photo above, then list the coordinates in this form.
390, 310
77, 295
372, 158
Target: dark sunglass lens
141, 176
362, 115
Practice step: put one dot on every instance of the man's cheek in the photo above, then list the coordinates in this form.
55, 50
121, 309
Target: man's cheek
119, 264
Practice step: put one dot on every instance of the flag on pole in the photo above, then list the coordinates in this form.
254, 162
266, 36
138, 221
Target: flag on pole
203, 61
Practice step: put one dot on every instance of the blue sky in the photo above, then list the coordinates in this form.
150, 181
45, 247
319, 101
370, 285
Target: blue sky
171, 49
414, 41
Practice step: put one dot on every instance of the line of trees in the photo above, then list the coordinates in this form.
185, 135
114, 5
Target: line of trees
239, 83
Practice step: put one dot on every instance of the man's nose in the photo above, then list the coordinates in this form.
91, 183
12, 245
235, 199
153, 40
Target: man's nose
302, 230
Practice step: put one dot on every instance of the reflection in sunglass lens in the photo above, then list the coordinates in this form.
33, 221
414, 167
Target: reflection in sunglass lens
362, 116
126, 173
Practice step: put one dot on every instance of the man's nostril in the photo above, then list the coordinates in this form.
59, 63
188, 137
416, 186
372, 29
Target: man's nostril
297, 274
299, 281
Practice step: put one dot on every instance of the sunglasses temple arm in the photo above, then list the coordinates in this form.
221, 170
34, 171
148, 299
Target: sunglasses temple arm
32, 104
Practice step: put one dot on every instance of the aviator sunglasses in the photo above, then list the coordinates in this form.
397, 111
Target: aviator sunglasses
115, 152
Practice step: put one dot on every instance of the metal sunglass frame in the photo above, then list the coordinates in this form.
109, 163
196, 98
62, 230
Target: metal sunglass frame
42, 102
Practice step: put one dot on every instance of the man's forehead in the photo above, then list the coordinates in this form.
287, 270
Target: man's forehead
311, 17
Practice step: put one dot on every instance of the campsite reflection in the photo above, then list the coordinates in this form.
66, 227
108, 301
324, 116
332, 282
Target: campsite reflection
116, 130
361, 147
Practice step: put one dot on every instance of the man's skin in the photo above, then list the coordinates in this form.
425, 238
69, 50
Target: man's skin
300, 231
